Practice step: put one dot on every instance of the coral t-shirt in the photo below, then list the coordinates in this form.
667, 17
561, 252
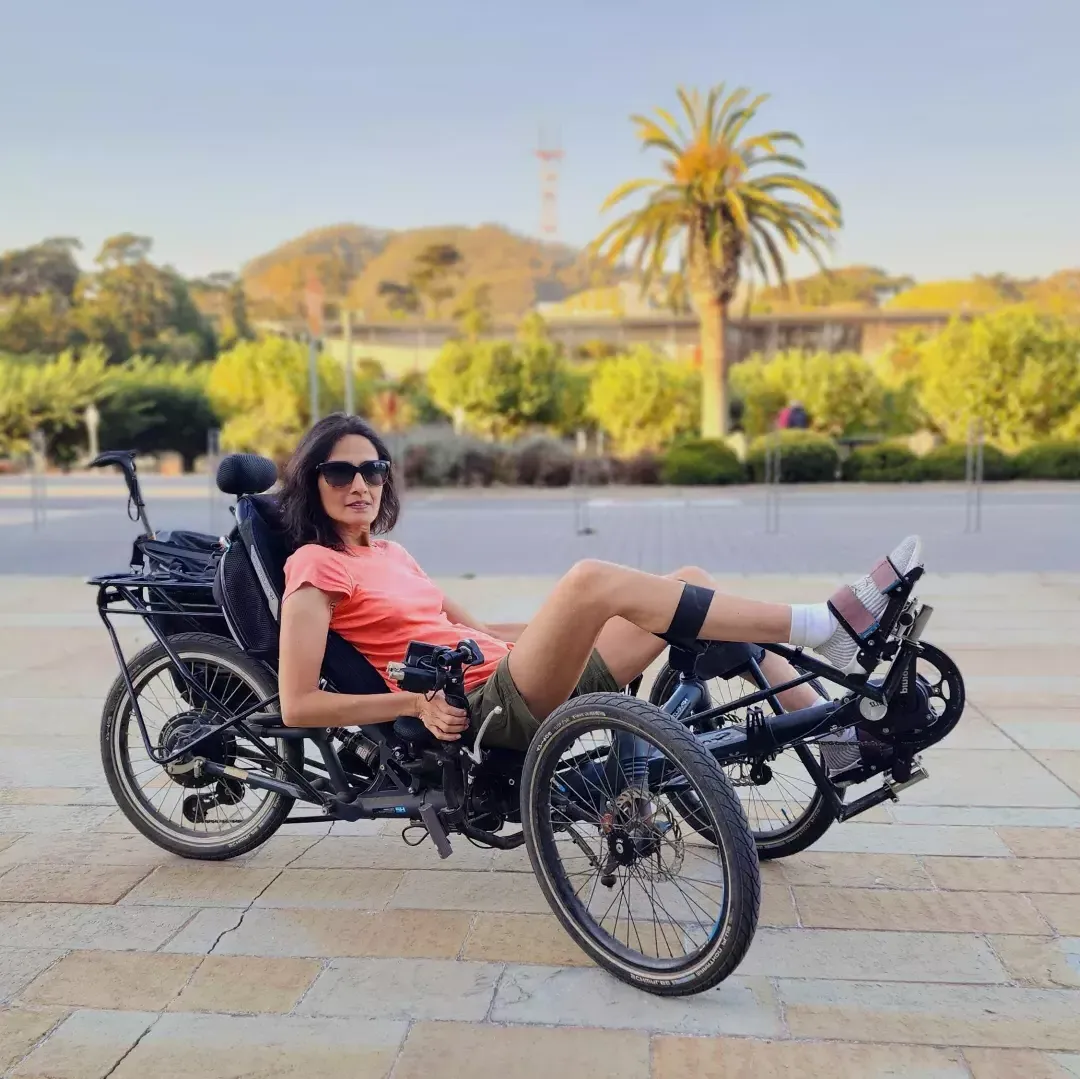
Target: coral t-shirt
382, 601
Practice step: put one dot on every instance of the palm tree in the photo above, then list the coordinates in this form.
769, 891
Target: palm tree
721, 213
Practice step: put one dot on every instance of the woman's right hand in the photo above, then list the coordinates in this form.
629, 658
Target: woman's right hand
442, 719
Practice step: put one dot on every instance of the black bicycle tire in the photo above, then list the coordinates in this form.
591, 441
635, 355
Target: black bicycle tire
743, 876
281, 805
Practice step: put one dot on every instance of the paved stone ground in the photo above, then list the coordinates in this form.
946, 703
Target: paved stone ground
936, 938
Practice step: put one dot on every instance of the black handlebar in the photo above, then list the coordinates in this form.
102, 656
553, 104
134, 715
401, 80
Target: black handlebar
125, 461
428, 668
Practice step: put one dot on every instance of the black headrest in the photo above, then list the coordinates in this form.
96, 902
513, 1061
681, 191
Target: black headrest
245, 474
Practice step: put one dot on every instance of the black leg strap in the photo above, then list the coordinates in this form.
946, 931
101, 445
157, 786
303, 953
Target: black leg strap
689, 617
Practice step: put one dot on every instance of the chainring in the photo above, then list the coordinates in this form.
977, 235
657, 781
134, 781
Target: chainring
929, 711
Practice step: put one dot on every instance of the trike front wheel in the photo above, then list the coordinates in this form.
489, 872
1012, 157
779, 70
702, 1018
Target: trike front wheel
631, 881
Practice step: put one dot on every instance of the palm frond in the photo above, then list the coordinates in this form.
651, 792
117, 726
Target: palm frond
731, 106
787, 160
652, 135
820, 197
674, 124
739, 118
627, 189
690, 104
764, 238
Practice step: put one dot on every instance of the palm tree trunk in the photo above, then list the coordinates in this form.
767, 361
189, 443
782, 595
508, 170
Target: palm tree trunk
712, 315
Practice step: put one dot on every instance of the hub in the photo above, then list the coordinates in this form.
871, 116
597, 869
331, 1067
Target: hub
184, 728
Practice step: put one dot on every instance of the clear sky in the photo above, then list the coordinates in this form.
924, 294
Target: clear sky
950, 130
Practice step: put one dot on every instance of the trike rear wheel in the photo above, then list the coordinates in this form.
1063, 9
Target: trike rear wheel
206, 817
636, 888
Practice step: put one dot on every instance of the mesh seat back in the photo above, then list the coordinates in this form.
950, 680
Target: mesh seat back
250, 581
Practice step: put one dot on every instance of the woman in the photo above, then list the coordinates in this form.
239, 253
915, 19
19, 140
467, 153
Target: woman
597, 630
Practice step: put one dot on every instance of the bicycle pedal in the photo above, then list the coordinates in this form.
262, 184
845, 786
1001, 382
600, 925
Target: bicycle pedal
918, 774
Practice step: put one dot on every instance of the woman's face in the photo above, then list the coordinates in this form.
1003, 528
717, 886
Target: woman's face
354, 506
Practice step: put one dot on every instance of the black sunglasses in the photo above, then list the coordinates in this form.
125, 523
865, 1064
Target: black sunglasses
342, 473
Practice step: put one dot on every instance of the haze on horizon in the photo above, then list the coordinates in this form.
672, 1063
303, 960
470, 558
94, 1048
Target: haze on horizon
948, 130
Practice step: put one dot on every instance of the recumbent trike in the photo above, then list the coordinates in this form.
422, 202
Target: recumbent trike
630, 811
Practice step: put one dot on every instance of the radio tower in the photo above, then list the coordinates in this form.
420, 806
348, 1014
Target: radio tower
550, 157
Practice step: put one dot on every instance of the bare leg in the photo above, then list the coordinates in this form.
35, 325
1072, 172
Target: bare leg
552, 651
777, 670
628, 650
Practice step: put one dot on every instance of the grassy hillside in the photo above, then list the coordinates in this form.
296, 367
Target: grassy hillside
352, 260
336, 255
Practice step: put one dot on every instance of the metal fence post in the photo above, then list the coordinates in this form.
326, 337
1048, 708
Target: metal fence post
213, 457
37, 478
773, 467
582, 524
973, 476
350, 406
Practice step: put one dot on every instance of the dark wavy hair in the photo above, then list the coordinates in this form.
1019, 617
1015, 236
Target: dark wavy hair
302, 511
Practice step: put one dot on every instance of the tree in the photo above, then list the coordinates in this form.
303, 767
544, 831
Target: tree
38, 325
46, 395
846, 286
500, 389
133, 307
840, 390
125, 249
260, 390
401, 299
429, 279
37, 285
1016, 371
724, 215
643, 400
154, 407
473, 312
221, 298
47, 268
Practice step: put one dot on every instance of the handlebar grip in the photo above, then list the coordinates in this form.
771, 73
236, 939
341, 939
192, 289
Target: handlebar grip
456, 699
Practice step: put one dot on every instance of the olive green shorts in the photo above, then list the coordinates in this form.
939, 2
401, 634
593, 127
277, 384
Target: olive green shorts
514, 729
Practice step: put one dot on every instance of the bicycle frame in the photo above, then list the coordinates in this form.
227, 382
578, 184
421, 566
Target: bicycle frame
399, 794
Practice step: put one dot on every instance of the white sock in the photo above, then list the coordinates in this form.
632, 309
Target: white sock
812, 624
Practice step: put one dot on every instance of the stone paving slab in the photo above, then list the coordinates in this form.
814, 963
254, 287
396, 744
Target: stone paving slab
678, 1058
935, 937
1003, 1016
86, 1045
182, 1045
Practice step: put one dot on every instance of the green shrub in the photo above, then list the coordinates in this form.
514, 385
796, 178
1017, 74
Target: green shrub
543, 462
805, 457
440, 458
643, 400
886, 462
1055, 460
641, 470
702, 461
595, 471
949, 462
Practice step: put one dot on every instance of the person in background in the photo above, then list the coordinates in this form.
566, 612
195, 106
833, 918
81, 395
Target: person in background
793, 416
